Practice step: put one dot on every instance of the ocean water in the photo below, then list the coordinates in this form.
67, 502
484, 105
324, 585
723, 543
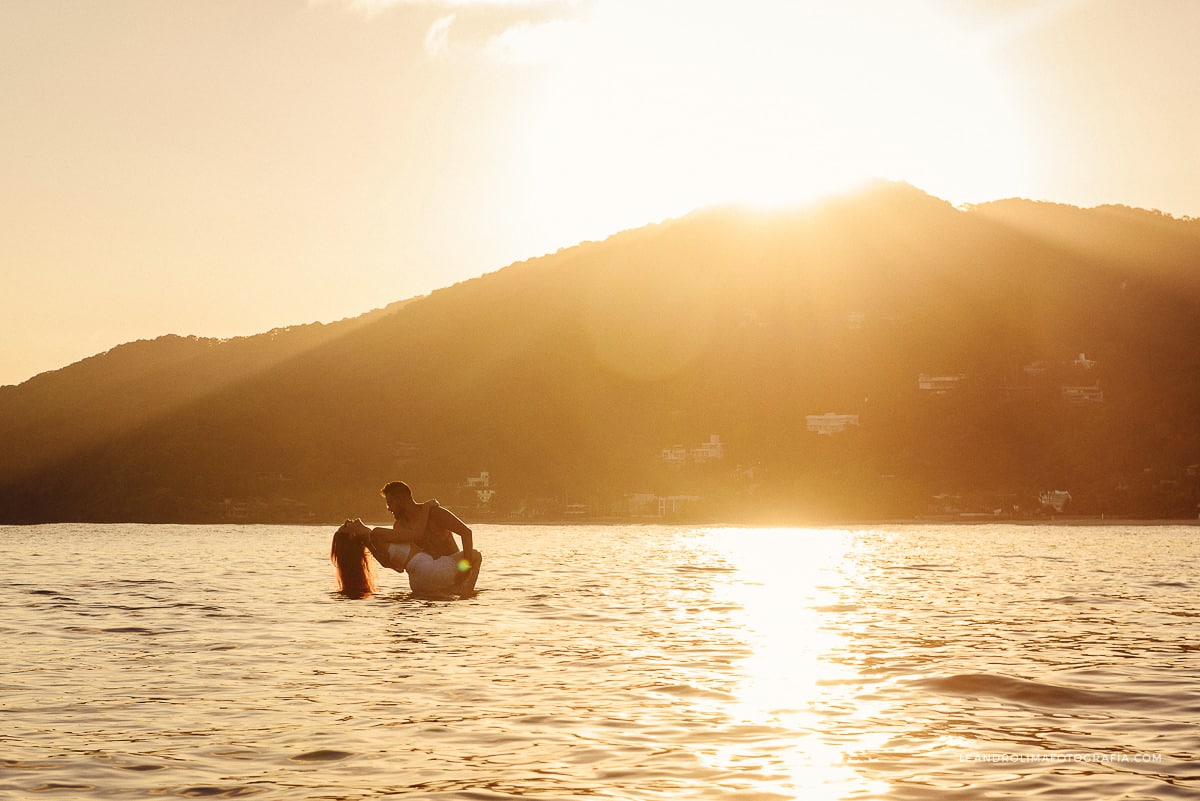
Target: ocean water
637, 662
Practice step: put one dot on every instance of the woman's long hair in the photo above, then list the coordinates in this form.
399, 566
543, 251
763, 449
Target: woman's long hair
352, 565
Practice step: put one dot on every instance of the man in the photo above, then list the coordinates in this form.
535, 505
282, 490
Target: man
436, 538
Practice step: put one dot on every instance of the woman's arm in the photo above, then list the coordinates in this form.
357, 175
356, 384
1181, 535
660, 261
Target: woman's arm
379, 536
386, 535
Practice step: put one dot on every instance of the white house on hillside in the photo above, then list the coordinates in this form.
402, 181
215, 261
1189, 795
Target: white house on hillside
482, 485
1055, 499
830, 423
484, 479
1083, 395
939, 384
709, 451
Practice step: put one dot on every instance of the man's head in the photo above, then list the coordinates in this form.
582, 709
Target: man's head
397, 494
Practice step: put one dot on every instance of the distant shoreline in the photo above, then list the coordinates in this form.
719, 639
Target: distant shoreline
934, 520
1065, 520
914, 521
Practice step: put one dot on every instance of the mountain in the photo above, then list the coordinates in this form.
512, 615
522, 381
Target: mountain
976, 358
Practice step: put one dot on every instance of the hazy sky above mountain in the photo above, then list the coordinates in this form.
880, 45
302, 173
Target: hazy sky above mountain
220, 167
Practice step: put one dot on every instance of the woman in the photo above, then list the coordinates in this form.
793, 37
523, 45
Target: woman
396, 548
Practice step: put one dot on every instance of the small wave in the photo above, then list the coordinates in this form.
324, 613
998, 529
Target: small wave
322, 755
688, 691
53, 595
136, 630
1026, 691
212, 791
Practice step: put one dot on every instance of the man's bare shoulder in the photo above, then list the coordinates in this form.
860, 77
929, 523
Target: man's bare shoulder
443, 518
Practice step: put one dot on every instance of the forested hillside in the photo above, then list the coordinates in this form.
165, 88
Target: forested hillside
975, 358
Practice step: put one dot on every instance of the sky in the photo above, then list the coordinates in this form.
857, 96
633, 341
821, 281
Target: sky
225, 167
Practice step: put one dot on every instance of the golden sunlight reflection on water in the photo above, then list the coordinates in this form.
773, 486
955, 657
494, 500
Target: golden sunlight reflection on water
784, 581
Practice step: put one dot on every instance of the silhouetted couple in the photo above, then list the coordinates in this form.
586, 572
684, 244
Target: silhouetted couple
420, 542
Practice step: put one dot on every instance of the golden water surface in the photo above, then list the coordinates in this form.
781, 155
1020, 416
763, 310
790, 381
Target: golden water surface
635, 662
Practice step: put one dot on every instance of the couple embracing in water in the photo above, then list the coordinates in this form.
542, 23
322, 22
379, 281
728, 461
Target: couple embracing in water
421, 543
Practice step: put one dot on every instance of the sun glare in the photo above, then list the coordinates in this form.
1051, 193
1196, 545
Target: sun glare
787, 584
653, 112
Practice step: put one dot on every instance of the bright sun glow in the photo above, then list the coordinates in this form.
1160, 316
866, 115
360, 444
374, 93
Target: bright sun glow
653, 112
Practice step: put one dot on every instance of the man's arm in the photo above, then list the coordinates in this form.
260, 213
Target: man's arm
445, 520
399, 533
